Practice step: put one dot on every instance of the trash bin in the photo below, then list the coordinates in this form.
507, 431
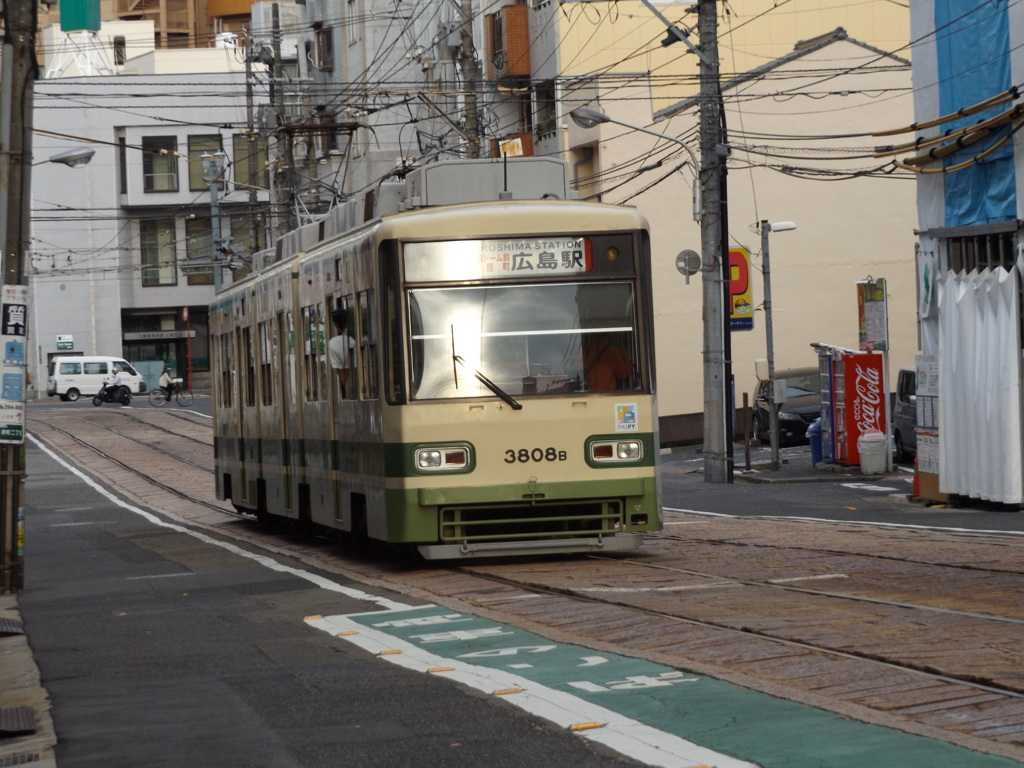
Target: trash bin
814, 435
872, 447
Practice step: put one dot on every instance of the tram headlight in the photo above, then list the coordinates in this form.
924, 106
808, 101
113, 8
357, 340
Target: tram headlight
443, 458
629, 450
616, 451
428, 459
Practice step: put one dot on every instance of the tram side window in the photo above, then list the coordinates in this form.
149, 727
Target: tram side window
287, 346
268, 357
394, 360
368, 344
343, 356
250, 367
314, 333
227, 367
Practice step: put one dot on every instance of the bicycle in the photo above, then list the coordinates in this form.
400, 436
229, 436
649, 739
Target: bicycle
182, 396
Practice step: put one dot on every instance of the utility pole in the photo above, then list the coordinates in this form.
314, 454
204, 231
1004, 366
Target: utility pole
470, 79
251, 135
18, 71
284, 183
718, 460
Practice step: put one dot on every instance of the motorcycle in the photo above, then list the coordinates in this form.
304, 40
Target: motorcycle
108, 395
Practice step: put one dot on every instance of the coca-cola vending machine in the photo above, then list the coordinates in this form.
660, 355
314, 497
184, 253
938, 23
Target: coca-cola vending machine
853, 400
859, 401
865, 399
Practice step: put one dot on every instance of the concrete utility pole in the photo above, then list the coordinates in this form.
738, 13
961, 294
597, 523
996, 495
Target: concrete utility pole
253, 137
18, 71
718, 411
214, 164
470, 79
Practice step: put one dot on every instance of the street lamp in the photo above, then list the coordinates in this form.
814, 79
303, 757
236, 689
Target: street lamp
773, 412
213, 166
72, 158
717, 365
585, 117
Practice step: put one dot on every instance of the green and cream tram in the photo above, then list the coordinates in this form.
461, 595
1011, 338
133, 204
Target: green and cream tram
494, 392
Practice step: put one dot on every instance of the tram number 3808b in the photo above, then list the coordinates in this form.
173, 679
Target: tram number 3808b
524, 455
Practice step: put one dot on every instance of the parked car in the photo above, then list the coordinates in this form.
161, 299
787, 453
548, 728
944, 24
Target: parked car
904, 415
802, 406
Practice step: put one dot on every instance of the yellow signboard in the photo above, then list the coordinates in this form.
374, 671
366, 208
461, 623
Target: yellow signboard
741, 297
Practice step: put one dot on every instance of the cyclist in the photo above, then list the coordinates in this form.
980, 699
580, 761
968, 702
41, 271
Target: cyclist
166, 384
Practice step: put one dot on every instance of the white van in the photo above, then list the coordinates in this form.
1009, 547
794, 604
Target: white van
72, 377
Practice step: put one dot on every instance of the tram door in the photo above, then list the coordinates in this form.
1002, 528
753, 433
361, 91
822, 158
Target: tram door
284, 375
343, 387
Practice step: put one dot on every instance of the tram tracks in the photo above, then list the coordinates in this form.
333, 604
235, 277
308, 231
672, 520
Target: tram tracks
143, 469
706, 604
979, 685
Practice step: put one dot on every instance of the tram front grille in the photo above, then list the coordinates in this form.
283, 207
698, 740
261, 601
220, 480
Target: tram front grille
533, 521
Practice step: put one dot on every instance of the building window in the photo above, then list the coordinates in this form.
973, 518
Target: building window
325, 49
199, 247
122, 165
497, 41
197, 147
156, 241
986, 250
328, 132
160, 163
544, 102
243, 147
120, 51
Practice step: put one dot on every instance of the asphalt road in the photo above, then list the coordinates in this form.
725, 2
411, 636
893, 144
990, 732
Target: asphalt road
159, 648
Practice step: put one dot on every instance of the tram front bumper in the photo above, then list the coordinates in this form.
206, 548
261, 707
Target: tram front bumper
620, 542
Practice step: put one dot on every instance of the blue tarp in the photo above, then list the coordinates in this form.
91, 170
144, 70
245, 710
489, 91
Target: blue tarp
973, 41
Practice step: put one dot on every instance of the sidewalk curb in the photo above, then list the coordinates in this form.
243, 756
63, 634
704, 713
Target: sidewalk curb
20, 686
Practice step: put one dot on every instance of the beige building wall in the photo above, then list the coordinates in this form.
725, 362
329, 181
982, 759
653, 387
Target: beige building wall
848, 229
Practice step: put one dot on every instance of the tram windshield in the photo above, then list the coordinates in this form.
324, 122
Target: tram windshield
523, 339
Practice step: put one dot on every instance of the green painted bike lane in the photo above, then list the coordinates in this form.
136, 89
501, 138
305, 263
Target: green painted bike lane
718, 716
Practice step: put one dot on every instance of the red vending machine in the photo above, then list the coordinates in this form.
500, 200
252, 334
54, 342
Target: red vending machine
863, 402
853, 400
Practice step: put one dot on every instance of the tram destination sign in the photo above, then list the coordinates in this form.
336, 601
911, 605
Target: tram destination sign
504, 258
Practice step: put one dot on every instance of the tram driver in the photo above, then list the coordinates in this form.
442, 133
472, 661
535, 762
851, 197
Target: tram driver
341, 348
605, 367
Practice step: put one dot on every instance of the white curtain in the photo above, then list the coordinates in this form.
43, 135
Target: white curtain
980, 453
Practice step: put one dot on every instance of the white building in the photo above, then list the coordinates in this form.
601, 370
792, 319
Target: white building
111, 240
969, 152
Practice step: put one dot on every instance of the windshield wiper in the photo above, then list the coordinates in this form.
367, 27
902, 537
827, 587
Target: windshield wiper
489, 384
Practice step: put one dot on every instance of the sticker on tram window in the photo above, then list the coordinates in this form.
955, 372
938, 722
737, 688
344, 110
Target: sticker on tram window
505, 258
625, 417
526, 455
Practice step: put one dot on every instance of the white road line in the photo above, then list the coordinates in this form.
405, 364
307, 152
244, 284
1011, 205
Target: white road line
160, 576
623, 734
809, 578
686, 588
